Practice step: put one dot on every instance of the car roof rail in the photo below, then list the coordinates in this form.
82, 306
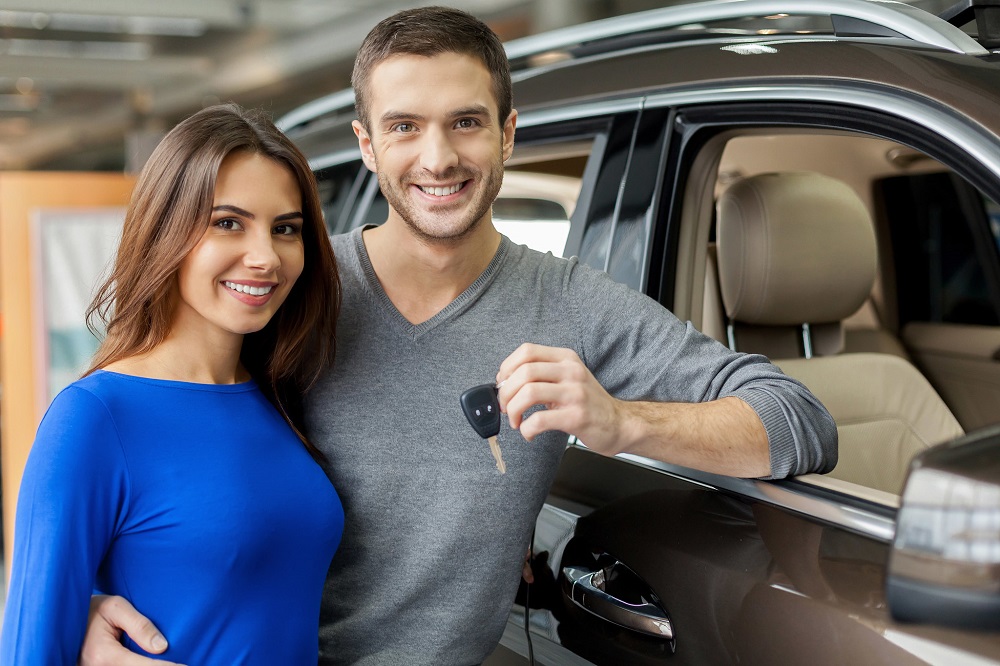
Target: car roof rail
986, 13
338, 101
855, 17
882, 18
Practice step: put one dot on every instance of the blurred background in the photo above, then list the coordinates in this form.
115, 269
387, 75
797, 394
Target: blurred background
92, 85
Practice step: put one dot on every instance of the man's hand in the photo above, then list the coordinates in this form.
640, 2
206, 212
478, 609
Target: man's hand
574, 401
722, 436
110, 617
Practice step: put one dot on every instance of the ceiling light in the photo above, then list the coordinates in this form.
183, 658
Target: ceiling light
59, 48
127, 25
19, 102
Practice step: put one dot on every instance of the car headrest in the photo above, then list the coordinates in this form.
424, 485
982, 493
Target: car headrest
793, 248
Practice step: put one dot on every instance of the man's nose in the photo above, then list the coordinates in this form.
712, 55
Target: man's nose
438, 154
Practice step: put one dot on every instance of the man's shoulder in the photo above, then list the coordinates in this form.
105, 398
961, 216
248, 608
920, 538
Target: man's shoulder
343, 243
524, 258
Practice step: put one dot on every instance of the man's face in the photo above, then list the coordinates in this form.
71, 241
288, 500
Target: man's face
435, 142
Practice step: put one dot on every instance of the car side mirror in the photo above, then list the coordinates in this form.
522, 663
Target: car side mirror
944, 567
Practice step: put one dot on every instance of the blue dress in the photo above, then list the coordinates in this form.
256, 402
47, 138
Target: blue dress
196, 502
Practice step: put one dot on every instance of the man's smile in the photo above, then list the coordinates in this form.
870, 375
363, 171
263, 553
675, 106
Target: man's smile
442, 190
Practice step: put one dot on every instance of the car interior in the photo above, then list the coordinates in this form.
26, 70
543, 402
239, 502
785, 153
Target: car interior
808, 267
851, 261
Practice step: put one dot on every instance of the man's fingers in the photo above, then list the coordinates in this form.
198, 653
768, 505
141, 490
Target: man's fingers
527, 574
110, 617
119, 613
531, 353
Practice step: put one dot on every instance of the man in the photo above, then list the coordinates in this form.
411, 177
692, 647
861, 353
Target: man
436, 301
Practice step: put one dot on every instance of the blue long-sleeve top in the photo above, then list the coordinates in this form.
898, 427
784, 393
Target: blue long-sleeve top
194, 501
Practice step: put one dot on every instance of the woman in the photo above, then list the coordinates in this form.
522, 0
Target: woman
175, 473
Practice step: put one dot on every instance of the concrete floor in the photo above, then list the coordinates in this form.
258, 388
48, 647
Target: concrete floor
504, 657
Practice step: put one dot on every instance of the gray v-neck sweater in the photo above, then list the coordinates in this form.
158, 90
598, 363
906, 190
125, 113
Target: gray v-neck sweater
434, 535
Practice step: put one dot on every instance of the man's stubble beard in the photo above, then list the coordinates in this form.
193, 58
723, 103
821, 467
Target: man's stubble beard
488, 189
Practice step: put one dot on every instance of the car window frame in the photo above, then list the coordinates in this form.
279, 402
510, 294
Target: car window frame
694, 124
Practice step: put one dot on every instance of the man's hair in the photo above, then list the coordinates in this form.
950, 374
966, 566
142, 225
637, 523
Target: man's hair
430, 31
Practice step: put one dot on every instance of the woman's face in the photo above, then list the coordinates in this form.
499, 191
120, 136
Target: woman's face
245, 264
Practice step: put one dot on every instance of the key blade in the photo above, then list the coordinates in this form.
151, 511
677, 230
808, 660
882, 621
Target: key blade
495, 450
481, 408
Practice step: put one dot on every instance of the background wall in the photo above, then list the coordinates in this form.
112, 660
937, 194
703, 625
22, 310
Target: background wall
22, 197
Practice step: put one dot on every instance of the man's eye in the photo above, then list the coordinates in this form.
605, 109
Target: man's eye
404, 128
466, 123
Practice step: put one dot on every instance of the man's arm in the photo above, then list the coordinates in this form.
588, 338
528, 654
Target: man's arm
723, 436
110, 617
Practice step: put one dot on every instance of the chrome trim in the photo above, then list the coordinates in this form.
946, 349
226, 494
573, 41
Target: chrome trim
982, 145
867, 523
963, 136
587, 110
913, 23
342, 99
586, 589
331, 159
983, 148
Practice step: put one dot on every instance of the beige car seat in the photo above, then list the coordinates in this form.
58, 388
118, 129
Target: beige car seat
796, 256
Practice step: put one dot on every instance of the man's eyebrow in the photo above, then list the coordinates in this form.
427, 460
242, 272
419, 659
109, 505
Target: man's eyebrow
394, 116
474, 110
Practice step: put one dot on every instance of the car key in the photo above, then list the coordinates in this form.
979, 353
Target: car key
483, 412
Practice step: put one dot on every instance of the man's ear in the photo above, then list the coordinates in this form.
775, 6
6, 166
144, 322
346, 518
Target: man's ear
365, 144
508, 135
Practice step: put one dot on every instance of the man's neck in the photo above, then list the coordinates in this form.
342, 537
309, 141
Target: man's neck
422, 276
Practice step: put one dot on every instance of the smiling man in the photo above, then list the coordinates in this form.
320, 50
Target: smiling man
435, 301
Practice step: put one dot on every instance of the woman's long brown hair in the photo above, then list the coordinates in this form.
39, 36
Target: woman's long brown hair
167, 215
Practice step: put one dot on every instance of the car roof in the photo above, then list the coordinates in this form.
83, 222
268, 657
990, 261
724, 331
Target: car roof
723, 44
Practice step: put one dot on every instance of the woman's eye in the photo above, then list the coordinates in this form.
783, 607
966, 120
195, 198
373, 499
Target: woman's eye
228, 223
287, 230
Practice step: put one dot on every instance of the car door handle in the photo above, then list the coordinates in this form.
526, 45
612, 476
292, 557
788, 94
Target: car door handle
587, 589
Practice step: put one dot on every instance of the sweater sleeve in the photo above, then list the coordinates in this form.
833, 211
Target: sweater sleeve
638, 350
71, 501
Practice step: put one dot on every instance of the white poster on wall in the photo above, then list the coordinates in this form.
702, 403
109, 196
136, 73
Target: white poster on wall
73, 253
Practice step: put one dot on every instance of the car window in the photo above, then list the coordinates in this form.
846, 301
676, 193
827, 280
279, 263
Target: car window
935, 246
940, 273
534, 208
338, 187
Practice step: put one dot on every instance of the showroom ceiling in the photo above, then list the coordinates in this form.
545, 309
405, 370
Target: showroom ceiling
79, 77
85, 83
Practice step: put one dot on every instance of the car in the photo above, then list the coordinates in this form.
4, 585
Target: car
814, 181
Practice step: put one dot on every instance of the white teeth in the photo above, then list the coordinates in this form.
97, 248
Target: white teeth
247, 289
441, 191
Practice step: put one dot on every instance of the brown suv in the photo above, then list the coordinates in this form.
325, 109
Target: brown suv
816, 181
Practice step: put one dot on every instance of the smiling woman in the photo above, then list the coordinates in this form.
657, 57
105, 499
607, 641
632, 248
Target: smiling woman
175, 473
240, 272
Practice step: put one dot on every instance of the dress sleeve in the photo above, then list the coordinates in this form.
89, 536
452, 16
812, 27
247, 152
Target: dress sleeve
638, 350
71, 503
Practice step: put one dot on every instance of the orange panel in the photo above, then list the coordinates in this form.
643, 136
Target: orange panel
21, 194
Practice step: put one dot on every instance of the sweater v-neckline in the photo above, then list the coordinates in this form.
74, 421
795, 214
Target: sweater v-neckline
463, 300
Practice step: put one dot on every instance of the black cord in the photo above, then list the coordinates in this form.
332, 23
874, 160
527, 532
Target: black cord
527, 599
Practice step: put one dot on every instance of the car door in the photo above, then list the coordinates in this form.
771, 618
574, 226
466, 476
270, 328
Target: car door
643, 562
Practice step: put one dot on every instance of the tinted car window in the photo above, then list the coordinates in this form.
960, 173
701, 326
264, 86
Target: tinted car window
940, 274
338, 187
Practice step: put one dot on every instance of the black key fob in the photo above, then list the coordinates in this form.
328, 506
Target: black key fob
482, 409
